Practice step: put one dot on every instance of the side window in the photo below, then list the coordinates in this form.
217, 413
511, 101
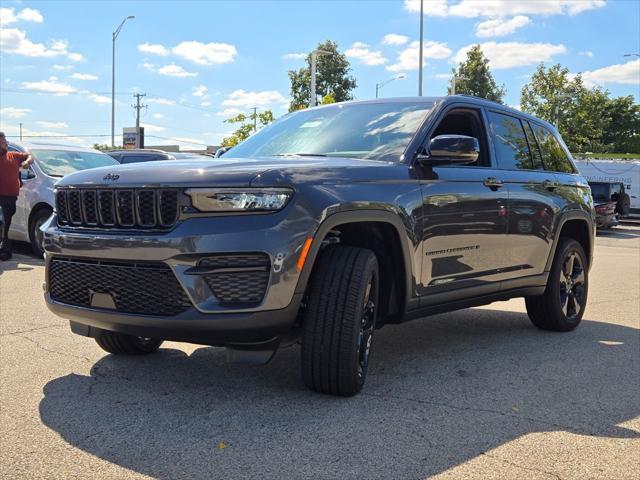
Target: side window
533, 146
510, 142
555, 158
465, 122
137, 158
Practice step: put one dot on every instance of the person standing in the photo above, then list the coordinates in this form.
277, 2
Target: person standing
10, 163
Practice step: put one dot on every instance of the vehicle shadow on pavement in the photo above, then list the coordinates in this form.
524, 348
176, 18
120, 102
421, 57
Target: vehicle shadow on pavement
619, 232
440, 392
20, 263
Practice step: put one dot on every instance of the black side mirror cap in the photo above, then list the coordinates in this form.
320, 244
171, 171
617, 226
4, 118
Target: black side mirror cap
450, 149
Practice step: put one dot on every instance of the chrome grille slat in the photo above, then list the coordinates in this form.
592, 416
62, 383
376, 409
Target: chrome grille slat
119, 208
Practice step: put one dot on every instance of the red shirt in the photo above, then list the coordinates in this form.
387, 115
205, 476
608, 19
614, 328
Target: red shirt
9, 172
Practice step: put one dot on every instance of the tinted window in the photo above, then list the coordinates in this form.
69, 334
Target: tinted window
376, 131
533, 146
600, 192
554, 156
140, 158
511, 144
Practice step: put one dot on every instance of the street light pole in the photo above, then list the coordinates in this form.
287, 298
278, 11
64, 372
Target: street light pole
114, 35
380, 85
421, 42
632, 55
314, 63
454, 80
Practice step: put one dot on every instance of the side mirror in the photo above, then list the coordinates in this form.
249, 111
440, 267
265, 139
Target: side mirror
27, 174
450, 149
221, 151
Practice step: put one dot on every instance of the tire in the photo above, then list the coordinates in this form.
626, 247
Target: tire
35, 235
339, 320
561, 307
121, 344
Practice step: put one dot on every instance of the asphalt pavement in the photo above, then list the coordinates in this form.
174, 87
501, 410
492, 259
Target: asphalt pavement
478, 393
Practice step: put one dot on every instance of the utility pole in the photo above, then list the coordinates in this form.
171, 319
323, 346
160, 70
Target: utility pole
138, 106
20, 131
454, 80
114, 36
421, 42
255, 119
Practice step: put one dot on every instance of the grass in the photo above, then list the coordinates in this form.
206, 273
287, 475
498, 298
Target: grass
604, 156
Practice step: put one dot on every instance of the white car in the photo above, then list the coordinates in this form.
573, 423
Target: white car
36, 199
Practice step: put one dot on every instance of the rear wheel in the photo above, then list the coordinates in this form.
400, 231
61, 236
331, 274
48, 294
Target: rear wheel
561, 306
339, 320
121, 344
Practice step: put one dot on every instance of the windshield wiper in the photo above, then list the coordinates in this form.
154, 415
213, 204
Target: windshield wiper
299, 155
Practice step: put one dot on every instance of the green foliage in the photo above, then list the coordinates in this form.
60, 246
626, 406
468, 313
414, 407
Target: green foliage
327, 99
333, 78
587, 118
476, 78
103, 147
248, 125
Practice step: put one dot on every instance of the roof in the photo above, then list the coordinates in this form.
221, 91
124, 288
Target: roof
50, 146
138, 150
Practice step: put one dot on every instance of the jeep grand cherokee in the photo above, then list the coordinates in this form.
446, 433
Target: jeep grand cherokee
323, 227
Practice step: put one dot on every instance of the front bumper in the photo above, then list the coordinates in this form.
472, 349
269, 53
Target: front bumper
209, 321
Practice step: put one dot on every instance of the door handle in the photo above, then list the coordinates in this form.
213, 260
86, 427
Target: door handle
550, 185
493, 183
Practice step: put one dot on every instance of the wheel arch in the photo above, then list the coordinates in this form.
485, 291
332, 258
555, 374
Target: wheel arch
37, 208
579, 226
385, 235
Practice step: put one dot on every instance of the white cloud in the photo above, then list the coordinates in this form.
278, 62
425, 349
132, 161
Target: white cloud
153, 128
361, 51
76, 57
205, 104
52, 124
62, 67
161, 101
99, 99
294, 56
514, 54
625, 73
206, 53
502, 8
409, 57
242, 98
442, 76
9, 15
199, 91
500, 27
13, 40
13, 112
229, 112
586, 53
174, 70
84, 76
155, 49
395, 39
51, 86
157, 115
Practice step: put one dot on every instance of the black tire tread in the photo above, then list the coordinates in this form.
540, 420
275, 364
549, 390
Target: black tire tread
333, 302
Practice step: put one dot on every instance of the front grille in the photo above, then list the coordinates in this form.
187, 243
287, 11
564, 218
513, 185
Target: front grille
145, 208
237, 279
144, 288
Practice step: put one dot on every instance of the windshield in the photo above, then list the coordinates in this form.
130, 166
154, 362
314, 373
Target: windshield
600, 192
375, 131
58, 163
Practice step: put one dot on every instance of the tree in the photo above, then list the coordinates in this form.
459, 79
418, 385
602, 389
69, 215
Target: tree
333, 76
103, 147
475, 77
248, 125
587, 118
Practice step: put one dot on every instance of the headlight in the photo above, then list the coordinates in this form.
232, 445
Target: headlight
239, 199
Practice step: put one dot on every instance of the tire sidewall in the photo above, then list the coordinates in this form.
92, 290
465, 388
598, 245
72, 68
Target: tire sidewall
44, 214
567, 247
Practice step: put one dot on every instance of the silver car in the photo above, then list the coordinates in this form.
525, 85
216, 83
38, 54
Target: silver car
36, 199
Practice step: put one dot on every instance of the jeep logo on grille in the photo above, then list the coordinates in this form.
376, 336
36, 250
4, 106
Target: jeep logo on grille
111, 176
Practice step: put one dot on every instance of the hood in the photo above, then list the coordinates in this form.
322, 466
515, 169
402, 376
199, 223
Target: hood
235, 172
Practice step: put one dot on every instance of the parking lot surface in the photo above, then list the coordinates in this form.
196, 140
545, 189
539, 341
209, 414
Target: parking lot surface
478, 393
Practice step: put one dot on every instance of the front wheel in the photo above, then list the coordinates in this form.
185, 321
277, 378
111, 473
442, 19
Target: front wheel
339, 320
561, 306
35, 234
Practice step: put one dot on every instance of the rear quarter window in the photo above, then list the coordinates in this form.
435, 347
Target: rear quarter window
510, 141
554, 156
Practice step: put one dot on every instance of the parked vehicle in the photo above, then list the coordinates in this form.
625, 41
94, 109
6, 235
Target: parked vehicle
323, 227
614, 192
626, 172
36, 199
140, 155
606, 216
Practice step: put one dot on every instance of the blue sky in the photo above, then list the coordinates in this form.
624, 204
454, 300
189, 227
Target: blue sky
200, 62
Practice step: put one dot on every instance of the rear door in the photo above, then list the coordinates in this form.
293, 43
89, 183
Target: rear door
533, 197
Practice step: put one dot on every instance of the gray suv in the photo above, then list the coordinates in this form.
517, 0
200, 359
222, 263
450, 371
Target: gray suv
323, 227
